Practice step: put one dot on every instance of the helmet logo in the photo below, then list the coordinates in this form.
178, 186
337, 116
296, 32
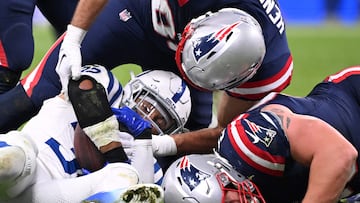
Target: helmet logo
205, 44
176, 97
191, 175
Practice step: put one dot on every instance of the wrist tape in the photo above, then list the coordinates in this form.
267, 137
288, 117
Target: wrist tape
74, 35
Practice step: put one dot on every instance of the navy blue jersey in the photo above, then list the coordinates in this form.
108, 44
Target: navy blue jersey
257, 146
168, 19
16, 18
146, 33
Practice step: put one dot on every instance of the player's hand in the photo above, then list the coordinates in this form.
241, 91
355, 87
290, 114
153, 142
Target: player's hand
133, 122
69, 61
142, 156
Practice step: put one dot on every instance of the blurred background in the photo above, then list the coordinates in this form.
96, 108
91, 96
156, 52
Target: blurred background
317, 12
323, 35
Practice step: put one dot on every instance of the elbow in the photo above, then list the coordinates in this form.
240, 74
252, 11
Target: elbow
352, 153
350, 159
355, 154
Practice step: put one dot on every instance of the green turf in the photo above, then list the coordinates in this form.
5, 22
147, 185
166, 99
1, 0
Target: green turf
320, 51
317, 51
44, 38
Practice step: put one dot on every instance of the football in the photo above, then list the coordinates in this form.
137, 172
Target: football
86, 153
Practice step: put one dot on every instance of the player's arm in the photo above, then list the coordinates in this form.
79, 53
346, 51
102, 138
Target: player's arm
101, 124
329, 155
199, 141
96, 118
70, 61
86, 12
203, 140
230, 107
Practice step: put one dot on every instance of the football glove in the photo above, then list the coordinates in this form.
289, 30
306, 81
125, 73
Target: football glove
133, 123
69, 62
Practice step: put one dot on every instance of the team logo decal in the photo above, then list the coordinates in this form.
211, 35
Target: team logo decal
259, 133
205, 44
191, 175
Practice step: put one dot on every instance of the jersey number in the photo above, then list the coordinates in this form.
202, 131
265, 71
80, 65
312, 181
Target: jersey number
70, 167
163, 21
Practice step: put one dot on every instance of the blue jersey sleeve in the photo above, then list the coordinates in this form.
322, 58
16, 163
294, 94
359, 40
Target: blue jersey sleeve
255, 143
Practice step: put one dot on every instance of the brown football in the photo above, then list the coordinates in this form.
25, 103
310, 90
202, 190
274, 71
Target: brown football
86, 153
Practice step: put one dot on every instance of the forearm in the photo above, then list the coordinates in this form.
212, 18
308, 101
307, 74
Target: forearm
327, 179
86, 12
332, 163
230, 107
200, 141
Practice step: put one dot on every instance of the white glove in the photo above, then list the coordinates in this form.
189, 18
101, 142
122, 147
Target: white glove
69, 62
163, 145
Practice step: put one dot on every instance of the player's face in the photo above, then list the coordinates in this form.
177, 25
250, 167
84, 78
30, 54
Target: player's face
231, 197
150, 112
236, 192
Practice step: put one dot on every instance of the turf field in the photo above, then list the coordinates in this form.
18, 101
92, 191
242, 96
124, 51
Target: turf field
317, 52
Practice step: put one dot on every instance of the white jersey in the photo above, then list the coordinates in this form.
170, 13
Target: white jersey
52, 130
55, 172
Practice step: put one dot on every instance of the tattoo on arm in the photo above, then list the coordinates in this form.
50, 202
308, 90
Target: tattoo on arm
282, 115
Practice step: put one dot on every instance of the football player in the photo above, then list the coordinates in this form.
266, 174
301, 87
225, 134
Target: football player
16, 38
42, 153
299, 149
147, 33
207, 178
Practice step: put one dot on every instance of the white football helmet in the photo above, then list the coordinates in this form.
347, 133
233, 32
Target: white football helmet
200, 178
108, 80
221, 50
166, 92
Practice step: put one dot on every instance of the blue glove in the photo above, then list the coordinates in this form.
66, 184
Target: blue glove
134, 123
